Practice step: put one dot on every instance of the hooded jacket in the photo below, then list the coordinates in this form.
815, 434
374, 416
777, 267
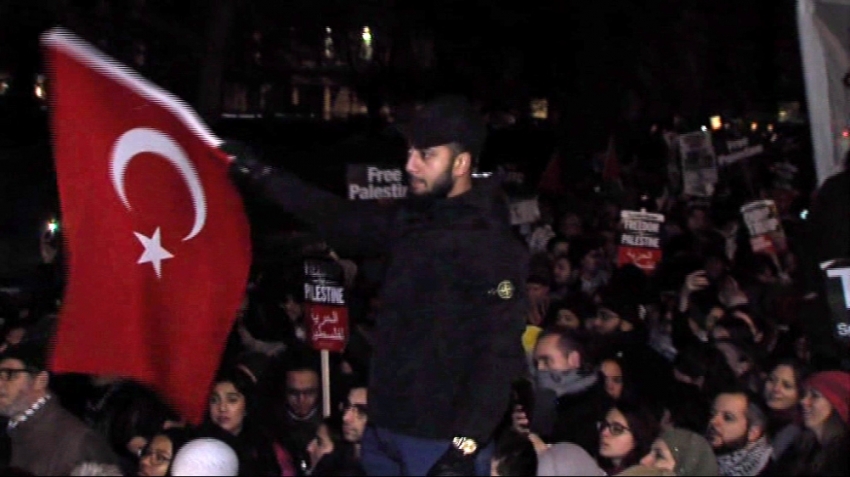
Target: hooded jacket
447, 342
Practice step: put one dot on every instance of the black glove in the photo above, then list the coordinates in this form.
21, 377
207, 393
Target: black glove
246, 166
453, 463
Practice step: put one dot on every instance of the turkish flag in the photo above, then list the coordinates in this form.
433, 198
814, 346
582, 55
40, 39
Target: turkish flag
157, 241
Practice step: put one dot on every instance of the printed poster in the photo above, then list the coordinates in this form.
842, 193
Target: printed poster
640, 242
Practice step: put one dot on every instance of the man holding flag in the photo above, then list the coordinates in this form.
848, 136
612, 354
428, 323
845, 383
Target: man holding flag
447, 343
157, 242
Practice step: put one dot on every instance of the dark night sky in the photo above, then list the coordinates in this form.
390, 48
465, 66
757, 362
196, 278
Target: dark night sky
601, 63
680, 54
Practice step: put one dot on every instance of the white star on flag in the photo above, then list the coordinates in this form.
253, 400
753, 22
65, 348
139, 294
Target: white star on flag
154, 253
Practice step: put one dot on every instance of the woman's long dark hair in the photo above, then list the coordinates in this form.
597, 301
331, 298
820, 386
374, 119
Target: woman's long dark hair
776, 422
254, 444
644, 428
177, 435
809, 456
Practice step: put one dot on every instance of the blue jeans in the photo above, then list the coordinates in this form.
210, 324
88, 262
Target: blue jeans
385, 452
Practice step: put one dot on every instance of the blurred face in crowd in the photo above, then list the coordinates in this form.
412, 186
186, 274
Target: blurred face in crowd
816, 410
659, 457
320, 446
728, 429
562, 271
302, 392
567, 319
613, 378
433, 172
714, 268
537, 292
610, 248
227, 407
560, 248
548, 356
293, 309
19, 388
591, 262
15, 335
156, 458
697, 220
604, 322
354, 416
615, 437
780, 389
571, 226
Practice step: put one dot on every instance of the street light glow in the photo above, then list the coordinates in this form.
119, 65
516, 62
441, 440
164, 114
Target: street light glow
366, 35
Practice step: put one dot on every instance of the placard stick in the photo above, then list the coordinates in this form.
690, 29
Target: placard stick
326, 383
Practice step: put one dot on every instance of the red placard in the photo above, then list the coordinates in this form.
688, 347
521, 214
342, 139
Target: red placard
644, 258
328, 326
640, 242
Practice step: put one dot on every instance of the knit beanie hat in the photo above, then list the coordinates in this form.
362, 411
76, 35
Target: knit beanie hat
693, 454
205, 457
835, 387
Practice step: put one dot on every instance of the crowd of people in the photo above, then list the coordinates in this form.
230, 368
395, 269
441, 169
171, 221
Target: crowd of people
706, 366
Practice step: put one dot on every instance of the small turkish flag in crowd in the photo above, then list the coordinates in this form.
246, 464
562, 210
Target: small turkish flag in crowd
157, 240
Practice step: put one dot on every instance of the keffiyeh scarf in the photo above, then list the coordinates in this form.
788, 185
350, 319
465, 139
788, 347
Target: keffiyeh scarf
747, 461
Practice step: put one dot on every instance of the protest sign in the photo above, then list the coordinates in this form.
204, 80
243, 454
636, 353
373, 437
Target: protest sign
739, 149
324, 300
524, 211
640, 242
699, 165
837, 275
326, 314
373, 182
766, 233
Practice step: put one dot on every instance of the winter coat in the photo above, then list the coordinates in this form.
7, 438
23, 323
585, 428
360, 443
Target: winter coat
52, 442
447, 342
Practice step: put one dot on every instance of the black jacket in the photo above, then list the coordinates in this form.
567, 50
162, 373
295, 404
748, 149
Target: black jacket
447, 343
576, 416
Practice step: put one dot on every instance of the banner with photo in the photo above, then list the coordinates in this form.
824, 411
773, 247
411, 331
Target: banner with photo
699, 164
640, 242
374, 182
762, 220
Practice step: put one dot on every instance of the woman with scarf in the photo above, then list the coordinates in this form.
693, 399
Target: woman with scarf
681, 451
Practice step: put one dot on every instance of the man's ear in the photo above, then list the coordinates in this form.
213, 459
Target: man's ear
462, 164
754, 433
42, 381
574, 360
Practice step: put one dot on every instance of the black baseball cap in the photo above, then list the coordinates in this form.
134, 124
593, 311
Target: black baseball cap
443, 120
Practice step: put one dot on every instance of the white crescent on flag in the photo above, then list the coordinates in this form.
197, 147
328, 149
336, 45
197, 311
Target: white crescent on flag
139, 140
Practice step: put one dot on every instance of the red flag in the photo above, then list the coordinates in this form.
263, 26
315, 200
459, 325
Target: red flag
551, 181
156, 235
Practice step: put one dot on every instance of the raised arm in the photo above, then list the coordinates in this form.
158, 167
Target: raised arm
361, 228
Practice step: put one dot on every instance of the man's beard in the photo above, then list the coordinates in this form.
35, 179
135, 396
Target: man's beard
440, 189
731, 446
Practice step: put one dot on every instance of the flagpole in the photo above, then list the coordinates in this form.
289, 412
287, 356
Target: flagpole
326, 383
